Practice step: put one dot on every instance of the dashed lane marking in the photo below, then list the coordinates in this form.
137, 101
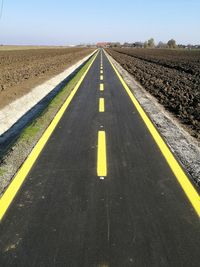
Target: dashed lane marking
101, 87
101, 105
101, 155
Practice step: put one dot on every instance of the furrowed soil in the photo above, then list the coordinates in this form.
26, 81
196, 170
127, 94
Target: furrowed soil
21, 70
172, 76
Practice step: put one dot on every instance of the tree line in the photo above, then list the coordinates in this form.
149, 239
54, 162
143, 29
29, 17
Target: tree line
151, 44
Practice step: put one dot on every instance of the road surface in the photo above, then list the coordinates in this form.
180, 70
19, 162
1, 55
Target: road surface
100, 193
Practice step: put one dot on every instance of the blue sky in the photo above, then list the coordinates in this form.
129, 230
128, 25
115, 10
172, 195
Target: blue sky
61, 22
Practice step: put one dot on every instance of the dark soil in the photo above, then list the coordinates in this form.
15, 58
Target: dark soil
21, 70
172, 76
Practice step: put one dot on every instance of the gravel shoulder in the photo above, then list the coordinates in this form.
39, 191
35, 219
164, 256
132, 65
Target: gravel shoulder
185, 147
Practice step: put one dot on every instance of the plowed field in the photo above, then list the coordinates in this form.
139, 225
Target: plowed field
21, 70
172, 76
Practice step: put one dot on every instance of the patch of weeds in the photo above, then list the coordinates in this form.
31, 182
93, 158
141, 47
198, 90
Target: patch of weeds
2, 171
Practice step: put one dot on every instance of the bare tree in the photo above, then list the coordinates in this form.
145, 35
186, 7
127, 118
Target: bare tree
151, 43
145, 44
162, 45
172, 43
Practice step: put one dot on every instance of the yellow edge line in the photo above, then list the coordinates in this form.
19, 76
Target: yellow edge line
101, 87
101, 105
182, 178
101, 155
16, 183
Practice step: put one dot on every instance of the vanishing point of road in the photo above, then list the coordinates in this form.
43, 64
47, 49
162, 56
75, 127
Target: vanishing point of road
101, 192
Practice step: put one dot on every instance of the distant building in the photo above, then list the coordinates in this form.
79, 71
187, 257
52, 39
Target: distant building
127, 45
189, 46
114, 44
108, 44
102, 45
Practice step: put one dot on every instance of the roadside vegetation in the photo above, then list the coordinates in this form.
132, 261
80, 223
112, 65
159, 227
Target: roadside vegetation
171, 44
151, 44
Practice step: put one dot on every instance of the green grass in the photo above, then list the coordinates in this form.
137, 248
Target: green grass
41, 123
2, 171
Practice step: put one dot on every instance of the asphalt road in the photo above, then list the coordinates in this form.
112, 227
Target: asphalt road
66, 214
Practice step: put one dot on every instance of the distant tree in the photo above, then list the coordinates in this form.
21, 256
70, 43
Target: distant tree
145, 44
151, 43
172, 43
189, 46
162, 45
181, 46
115, 44
138, 44
126, 44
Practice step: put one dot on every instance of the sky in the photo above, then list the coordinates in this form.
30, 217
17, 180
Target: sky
63, 22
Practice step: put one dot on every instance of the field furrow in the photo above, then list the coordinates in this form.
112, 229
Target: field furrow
177, 89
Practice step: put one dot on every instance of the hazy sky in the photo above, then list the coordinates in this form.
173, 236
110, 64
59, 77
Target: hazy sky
60, 22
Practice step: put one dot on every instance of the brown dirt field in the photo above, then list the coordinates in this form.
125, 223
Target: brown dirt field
26, 47
21, 70
172, 76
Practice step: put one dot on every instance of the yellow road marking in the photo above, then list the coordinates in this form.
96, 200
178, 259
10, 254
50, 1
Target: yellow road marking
101, 155
101, 71
101, 105
180, 175
18, 180
101, 87
101, 77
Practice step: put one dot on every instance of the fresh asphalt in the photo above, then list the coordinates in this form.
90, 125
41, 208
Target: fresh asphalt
65, 215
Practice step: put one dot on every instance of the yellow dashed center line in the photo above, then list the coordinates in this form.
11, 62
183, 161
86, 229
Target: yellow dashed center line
101, 77
101, 155
101, 105
101, 87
